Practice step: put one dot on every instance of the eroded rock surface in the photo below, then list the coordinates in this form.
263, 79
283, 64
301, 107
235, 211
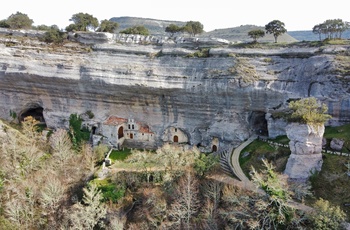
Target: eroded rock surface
210, 98
306, 146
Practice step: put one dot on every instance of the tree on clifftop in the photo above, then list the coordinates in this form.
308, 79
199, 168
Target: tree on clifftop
331, 28
19, 21
276, 28
255, 34
136, 30
108, 26
82, 22
173, 29
193, 28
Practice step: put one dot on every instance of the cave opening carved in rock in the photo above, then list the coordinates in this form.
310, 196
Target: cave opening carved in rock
34, 111
258, 123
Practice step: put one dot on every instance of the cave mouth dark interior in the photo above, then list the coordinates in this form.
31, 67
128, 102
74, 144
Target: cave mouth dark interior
258, 123
35, 112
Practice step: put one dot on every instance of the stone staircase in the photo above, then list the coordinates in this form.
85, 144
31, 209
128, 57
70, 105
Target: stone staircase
225, 161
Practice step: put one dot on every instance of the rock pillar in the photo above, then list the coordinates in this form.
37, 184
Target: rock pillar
306, 147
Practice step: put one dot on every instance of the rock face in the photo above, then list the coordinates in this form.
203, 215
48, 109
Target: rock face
215, 96
306, 146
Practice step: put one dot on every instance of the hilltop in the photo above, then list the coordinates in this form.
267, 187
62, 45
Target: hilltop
234, 34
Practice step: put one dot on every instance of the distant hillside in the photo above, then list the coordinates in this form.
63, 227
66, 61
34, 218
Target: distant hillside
240, 33
308, 35
157, 27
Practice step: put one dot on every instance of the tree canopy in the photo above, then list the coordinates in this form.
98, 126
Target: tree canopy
309, 111
255, 34
172, 29
331, 28
82, 22
193, 28
276, 28
108, 26
19, 21
142, 30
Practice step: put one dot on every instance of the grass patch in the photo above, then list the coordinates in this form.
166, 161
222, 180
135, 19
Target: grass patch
120, 155
340, 132
259, 150
282, 140
111, 192
332, 183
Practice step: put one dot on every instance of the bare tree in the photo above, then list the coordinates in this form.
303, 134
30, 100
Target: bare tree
186, 201
90, 213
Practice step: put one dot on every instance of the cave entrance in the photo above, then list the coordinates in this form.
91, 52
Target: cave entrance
36, 112
258, 123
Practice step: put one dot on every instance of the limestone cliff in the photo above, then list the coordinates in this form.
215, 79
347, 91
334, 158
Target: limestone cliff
218, 93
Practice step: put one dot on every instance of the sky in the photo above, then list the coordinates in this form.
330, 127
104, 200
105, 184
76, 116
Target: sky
217, 14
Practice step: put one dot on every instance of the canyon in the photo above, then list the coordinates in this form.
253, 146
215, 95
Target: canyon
210, 91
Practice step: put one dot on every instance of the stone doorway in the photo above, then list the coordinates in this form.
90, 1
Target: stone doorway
120, 132
214, 148
176, 139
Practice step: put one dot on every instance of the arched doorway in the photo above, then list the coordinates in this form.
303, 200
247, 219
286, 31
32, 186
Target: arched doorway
176, 139
120, 132
131, 136
214, 148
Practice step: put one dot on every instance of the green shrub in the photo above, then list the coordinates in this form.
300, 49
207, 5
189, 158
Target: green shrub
205, 163
112, 192
326, 216
308, 111
77, 133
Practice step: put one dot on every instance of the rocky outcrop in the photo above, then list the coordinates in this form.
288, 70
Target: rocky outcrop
305, 146
210, 96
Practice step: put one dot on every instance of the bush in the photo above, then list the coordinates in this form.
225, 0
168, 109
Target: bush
54, 35
77, 133
112, 193
136, 30
326, 216
308, 111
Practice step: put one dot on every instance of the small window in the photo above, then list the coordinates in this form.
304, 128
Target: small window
128, 126
133, 127
175, 129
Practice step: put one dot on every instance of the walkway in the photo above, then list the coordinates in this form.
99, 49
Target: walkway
235, 160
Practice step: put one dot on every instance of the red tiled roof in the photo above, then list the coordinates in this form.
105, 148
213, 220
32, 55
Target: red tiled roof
144, 128
113, 120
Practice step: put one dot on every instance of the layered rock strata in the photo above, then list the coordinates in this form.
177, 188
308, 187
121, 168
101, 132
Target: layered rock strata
306, 147
218, 93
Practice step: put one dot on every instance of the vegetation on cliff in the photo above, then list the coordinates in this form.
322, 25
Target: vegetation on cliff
309, 111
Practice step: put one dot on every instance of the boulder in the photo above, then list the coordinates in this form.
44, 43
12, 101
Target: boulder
337, 144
